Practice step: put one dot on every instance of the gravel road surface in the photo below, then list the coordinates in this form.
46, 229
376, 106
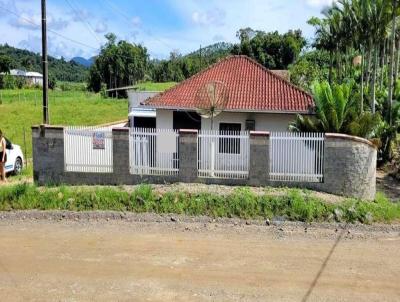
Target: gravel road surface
113, 257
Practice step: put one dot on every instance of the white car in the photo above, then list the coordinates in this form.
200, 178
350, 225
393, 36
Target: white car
15, 159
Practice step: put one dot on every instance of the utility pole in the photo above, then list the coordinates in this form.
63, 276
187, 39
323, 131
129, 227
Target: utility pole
45, 66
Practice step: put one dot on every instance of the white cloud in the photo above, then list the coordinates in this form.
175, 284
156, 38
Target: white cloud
56, 47
198, 22
266, 15
218, 38
33, 21
320, 3
136, 21
214, 16
78, 15
26, 20
32, 43
101, 27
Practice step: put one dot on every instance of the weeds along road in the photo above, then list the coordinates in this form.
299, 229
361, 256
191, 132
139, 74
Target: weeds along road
181, 261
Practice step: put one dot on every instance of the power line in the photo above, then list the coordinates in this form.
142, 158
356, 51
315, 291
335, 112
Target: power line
37, 26
120, 12
87, 24
49, 30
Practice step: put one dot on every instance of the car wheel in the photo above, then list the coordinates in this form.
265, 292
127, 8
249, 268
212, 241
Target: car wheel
18, 166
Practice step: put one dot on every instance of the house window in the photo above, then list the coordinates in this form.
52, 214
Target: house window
250, 125
226, 144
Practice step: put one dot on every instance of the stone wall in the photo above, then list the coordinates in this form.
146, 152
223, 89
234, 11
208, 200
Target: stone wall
350, 166
349, 163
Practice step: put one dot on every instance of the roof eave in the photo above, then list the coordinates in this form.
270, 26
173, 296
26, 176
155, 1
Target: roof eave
233, 110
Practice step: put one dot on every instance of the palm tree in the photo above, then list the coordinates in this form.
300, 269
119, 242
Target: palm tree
395, 14
336, 112
324, 40
357, 12
397, 59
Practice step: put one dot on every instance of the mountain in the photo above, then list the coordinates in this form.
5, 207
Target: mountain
217, 50
60, 69
179, 67
84, 62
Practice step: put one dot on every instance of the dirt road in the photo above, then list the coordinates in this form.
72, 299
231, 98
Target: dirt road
178, 261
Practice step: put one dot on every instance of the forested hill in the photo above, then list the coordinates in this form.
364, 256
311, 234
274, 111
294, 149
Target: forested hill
180, 67
60, 69
217, 50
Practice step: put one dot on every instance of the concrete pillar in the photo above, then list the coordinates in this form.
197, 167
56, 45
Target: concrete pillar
48, 154
188, 155
120, 155
259, 158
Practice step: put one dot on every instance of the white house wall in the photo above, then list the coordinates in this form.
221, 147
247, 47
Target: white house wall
164, 119
37, 81
264, 121
273, 122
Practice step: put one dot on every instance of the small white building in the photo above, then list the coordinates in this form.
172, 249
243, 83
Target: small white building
31, 77
139, 116
257, 99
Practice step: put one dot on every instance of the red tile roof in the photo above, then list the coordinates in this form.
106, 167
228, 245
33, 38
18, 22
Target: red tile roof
251, 87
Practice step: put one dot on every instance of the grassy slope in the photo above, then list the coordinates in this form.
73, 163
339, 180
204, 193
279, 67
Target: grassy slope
150, 86
20, 109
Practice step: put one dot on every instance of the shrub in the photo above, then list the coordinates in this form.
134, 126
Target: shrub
8, 82
20, 82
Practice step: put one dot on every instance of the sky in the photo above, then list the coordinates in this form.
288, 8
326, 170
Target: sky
77, 27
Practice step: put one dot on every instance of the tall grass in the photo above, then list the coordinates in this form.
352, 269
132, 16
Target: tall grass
296, 205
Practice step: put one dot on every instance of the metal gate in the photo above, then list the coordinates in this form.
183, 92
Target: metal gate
223, 154
88, 149
153, 151
297, 157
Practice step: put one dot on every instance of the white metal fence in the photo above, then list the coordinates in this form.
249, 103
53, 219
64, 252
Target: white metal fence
223, 154
88, 149
297, 157
153, 151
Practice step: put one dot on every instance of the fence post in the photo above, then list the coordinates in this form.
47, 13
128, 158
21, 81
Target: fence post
48, 154
25, 153
259, 158
120, 154
188, 155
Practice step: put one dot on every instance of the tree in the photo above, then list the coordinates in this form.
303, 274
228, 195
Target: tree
272, 50
395, 13
52, 83
310, 67
180, 67
324, 40
27, 63
5, 64
119, 64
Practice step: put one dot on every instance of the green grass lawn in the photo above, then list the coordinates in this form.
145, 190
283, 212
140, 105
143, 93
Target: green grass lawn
151, 86
20, 109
